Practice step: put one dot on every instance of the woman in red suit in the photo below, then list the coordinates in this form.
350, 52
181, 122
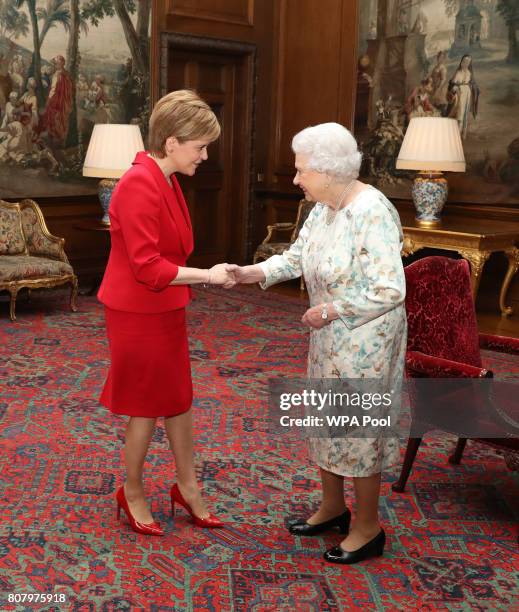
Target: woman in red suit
145, 290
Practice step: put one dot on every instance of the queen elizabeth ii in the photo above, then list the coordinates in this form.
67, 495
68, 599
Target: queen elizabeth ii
349, 254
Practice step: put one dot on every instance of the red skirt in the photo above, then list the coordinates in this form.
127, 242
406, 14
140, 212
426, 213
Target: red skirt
150, 372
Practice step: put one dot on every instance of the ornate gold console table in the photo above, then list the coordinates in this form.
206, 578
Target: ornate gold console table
473, 239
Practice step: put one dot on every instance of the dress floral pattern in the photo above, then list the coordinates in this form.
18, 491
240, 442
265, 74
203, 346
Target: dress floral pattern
354, 262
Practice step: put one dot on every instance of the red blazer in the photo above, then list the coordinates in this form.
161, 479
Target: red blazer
151, 237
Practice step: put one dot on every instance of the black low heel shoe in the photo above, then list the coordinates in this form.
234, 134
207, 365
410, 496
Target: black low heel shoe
302, 528
374, 548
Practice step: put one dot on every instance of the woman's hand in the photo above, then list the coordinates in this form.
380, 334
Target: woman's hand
222, 274
247, 274
313, 316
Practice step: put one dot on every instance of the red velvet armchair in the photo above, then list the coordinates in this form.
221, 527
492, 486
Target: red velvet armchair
443, 342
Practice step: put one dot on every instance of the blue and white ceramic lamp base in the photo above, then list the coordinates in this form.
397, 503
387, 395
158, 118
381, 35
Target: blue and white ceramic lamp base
429, 196
104, 191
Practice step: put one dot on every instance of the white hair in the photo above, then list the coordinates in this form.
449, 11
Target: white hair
331, 149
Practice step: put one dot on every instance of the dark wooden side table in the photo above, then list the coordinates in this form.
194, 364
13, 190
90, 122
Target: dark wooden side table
93, 226
473, 239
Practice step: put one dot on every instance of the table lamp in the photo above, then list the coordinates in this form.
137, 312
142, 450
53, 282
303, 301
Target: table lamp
431, 145
110, 153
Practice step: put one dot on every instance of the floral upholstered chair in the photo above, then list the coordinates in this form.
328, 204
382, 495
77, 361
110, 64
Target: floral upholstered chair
267, 248
31, 257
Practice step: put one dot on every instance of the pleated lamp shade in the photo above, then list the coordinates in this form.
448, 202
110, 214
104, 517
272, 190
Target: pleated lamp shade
112, 149
432, 143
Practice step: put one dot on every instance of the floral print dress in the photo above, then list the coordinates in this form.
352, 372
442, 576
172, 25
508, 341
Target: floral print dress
352, 260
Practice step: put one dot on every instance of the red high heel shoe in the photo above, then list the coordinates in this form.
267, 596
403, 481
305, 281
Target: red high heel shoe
176, 497
145, 528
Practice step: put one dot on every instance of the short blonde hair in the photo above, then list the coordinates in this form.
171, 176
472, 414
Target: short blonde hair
184, 115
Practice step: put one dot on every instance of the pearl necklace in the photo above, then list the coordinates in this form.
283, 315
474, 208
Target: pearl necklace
331, 213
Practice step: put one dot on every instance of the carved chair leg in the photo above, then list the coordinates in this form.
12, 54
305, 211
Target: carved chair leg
73, 294
410, 454
12, 304
455, 458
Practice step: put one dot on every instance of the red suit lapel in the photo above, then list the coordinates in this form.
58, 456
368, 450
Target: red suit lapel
175, 200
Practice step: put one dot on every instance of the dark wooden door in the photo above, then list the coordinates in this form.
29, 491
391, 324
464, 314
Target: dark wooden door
218, 195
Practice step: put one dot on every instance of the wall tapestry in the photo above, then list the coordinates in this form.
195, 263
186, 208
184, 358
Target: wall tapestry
450, 58
66, 65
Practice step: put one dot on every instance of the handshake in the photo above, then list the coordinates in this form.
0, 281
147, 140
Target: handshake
228, 275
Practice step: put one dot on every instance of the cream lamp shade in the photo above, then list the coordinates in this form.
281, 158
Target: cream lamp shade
110, 153
112, 149
431, 145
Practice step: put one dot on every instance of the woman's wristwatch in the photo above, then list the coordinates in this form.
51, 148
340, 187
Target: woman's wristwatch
208, 281
324, 312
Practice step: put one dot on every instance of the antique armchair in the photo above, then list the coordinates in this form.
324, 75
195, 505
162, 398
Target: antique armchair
31, 257
444, 343
267, 248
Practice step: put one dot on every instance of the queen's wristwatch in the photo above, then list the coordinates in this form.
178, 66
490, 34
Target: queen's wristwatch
324, 312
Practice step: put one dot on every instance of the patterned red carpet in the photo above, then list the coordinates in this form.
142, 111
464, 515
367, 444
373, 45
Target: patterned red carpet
451, 536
